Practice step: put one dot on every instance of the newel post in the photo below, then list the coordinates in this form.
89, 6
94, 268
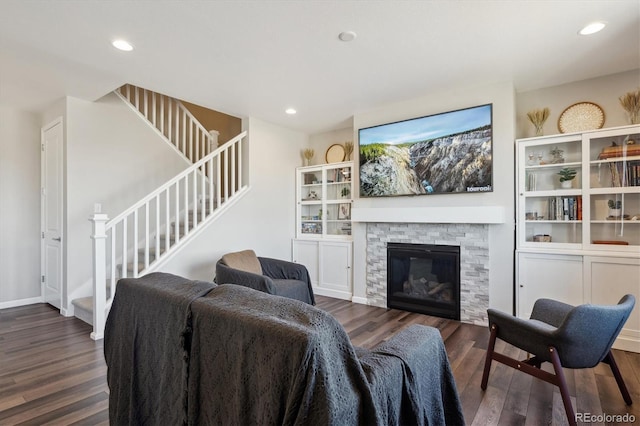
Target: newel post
99, 237
213, 140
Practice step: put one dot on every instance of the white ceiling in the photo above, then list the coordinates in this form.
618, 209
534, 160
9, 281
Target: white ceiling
257, 58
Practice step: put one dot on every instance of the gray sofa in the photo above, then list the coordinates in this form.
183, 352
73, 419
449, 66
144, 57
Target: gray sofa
181, 351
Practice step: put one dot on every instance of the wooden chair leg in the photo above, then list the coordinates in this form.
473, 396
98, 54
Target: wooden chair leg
562, 384
616, 373
489, 358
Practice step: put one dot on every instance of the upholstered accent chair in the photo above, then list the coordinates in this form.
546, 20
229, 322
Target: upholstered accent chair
273, 276
566, 336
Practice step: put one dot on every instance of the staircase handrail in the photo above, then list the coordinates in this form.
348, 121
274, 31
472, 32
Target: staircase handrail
145, 106
173, 180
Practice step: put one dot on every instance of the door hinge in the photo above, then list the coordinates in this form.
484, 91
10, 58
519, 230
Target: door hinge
42, 278
43, 235
42, 147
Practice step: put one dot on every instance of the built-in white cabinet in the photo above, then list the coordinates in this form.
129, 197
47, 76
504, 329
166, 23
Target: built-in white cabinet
329, 264
578, 241
323, 227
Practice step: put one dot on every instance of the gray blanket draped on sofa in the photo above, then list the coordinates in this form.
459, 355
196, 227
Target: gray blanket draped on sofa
255, 358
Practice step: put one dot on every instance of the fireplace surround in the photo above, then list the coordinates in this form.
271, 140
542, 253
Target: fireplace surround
471, 238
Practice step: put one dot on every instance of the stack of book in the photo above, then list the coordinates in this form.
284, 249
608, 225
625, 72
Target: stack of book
565, 208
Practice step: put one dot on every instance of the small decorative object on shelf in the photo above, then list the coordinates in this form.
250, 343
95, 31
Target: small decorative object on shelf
615, 208
348, 150
567, 174
581, 117
345, 192
537, 118
631, 104
542, 238
557, 155
308, 153
334, 154
346, 173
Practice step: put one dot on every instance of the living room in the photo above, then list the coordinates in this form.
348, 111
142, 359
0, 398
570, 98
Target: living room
264, 220
272, 146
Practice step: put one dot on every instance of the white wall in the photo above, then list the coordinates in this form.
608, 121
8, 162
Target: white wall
264, 220
501, 240
320, 142
112, 158
19, 207
604, 91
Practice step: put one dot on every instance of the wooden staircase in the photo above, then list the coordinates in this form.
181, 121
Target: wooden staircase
150, 232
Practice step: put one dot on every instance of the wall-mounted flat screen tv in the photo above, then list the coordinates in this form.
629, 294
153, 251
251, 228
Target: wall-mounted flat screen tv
443, 153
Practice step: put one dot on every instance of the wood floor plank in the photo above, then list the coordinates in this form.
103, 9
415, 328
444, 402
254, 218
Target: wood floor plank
51, 372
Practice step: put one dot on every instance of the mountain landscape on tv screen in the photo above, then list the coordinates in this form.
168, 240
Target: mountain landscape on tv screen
459, 162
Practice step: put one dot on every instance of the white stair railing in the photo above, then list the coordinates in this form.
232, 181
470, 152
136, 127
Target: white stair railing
172, 120
141, 238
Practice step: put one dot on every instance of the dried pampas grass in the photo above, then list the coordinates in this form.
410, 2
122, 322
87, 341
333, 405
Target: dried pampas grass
348, 149
631, 104
537, 118
308, 154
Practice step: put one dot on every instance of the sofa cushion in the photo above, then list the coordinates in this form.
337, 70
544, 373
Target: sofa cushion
245, 260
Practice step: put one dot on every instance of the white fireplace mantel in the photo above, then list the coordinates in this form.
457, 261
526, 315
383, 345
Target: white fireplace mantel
462, 214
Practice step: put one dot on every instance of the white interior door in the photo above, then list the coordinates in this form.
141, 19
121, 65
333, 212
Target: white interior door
52, 208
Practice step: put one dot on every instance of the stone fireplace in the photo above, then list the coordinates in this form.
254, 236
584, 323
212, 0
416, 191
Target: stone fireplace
472, 240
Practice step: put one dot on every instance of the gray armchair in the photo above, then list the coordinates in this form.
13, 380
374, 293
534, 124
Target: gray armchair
273, 276
566, 336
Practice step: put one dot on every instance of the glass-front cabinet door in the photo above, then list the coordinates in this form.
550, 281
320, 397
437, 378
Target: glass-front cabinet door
324, 197
310, 197
549, 192
614, 188
338, 205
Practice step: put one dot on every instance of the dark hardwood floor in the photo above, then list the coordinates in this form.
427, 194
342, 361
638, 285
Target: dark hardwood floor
51, 372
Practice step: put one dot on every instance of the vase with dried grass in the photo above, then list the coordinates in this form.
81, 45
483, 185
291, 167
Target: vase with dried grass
631, 104
537, 117
348, 150
308, 154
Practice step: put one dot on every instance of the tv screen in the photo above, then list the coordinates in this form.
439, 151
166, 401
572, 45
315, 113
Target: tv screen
443, 153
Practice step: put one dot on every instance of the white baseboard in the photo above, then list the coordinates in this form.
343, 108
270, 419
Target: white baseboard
360, 300
21, 302
628, 340
332, 293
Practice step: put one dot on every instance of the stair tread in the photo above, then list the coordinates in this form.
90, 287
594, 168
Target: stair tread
85, 303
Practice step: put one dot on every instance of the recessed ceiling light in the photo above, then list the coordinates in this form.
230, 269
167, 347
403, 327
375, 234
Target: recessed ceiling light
122, 45
290, 111
592, 28
347, 36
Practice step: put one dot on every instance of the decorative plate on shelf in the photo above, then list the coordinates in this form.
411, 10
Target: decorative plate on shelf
580, 117
335, 153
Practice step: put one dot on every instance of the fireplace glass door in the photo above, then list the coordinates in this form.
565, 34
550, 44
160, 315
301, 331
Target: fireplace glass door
424, 278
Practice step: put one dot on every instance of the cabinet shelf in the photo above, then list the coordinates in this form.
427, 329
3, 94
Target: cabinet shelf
552, 166
616, 160
568, 222
615, 190
614, 221
553, 193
